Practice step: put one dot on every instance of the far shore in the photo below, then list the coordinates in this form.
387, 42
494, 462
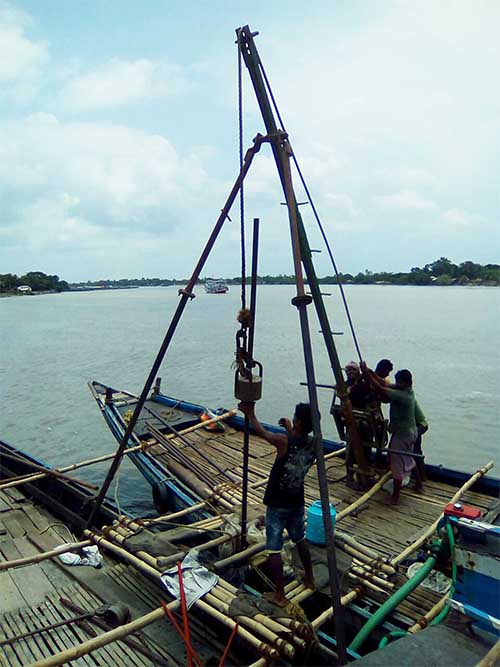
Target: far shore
114, 289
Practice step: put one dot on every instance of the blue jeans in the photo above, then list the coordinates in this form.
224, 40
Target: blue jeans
279, 518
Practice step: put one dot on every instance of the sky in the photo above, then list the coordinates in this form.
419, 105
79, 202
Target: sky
119, 133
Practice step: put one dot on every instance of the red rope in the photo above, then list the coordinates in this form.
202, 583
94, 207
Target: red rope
229, 643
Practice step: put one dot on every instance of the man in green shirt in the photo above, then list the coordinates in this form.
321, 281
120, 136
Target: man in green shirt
402, 425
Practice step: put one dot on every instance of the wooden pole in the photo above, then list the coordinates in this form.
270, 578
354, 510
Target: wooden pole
362, 499
492, 658
106, 638
37, 558
5, 484
186, 294
418, 542
424, 621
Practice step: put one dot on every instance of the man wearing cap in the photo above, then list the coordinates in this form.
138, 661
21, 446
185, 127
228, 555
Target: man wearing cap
358, 388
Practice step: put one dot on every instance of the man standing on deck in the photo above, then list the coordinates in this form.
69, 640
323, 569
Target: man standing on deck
284, 494
402, 425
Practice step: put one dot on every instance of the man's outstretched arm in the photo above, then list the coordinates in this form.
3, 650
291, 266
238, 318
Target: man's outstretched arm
279, 441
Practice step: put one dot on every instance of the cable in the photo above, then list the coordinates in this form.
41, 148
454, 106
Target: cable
323, 234
242, 198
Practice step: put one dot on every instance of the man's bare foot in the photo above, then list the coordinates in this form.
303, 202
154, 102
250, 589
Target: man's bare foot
391, 500
276, 598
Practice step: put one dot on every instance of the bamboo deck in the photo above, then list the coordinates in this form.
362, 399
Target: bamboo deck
30, 599
372, 537
384, 529
387, 529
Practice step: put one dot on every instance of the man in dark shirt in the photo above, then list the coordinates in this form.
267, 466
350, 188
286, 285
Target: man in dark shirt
284, 494
358, 388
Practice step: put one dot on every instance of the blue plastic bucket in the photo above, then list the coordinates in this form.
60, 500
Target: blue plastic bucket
315, 530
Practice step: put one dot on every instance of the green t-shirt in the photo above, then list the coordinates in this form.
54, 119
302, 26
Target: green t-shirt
401, 410
420, 418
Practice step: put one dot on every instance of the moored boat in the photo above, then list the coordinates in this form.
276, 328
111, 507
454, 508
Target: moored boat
213, 286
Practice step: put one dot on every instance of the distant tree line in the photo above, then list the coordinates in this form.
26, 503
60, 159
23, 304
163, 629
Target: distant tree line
38, 281
440, 272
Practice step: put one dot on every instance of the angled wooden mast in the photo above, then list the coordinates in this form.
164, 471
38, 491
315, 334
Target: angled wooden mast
301, 255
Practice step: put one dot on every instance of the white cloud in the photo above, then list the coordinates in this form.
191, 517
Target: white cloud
74, 182
22, 59
344, 203
406, 176
463, 218
121, 82
404, 200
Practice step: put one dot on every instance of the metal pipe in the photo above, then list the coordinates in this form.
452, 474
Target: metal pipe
282, 152
246, 433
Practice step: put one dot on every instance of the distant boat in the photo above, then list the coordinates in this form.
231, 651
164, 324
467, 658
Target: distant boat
215, 286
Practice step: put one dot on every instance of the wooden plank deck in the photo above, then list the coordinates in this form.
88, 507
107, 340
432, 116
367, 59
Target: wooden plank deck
387, 529
30, 597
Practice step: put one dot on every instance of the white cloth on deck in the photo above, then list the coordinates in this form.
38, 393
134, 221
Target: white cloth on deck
197, 579
90, 556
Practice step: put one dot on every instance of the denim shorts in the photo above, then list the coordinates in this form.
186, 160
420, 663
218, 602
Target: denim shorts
279, 518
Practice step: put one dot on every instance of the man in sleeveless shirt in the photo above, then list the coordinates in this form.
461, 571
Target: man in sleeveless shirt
284, 496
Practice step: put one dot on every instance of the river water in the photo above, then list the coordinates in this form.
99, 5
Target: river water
52, 345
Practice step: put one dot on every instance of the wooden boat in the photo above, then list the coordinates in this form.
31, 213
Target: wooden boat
171, 437
50, 613
38, 625
163, 415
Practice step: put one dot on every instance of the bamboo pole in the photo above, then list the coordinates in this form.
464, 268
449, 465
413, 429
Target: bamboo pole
362, 499
344, 539
164, 561
367, 583
424, 621
337, 452
218, 601
369, 576
120, 539
37, 558
286, 624
213, 521
174, 515
234, 558
367, 561
122, 632
463, 489
492, 658
152, 572
107, 457
123, 553
266, 650
327, 614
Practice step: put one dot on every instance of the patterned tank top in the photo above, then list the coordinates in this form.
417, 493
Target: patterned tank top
285, 487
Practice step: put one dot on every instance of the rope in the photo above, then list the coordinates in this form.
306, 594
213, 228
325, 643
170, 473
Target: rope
242, 198
315, 212
116, 491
